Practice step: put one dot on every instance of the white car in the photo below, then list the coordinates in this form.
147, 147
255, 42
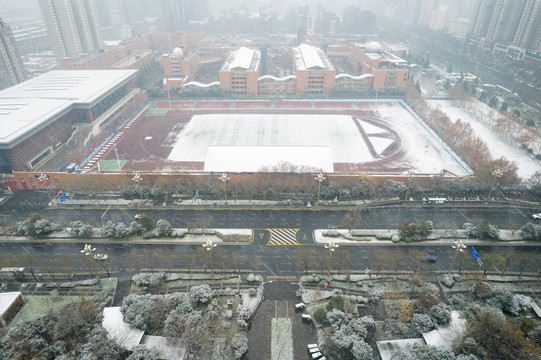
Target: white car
100, 257
537, 216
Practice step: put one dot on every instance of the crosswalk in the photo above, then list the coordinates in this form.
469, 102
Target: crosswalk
283, 237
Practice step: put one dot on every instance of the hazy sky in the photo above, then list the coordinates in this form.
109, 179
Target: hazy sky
16, 8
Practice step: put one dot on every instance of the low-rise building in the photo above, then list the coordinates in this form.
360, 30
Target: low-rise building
389, 70
240, 72
180, 68
315, 72
38, 116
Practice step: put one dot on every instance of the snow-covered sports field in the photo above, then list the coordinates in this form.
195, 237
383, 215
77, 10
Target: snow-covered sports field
340, 136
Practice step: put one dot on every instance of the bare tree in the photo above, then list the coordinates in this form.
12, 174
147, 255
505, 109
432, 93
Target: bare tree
305, 257
351, 220
343, 260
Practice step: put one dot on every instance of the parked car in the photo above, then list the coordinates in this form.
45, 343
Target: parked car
430, 259
101, 257
537, 216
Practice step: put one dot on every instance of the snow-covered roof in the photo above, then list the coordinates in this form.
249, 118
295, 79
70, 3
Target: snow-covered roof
169, 351
123, 333
242, 59
33, 104
309, 57
7, 299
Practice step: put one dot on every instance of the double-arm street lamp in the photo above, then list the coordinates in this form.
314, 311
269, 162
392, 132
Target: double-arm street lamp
88, 251
331, 246
459, 247
225, 179
320, 177
209, 245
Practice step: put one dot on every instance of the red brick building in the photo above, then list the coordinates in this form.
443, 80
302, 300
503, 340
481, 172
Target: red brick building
389, 70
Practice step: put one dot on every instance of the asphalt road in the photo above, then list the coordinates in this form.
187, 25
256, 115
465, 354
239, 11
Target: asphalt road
294, 228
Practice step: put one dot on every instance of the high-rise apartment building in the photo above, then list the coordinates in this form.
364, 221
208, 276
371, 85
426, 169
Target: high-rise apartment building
73, 27
11, 65
528, 34
508, 26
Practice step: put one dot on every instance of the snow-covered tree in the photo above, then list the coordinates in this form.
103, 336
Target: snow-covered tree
44, 227
374, 295
163, 228
441, 313
200, 294
239, 345
79, 229
530, 231
421, 323
112, 229
336, 318
141, 352
362, 351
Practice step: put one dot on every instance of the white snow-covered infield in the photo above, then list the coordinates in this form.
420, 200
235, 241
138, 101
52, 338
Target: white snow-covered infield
225, 158
392, 138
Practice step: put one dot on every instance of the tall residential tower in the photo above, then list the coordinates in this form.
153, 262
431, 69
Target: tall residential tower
73, 27
11, 65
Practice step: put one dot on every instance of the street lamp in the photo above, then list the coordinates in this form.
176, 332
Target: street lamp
88, 250
331, 246
225, 179
459, 246
320, 177
497, 174
409, 181
209, 245
137, 178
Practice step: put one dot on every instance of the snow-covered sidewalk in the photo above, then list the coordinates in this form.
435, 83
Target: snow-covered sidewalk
497, 146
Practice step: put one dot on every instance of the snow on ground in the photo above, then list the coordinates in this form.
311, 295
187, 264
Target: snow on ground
269, 132
497, 146
424, 152
443, 336
169, 350
281, 339
388, 348
123, 333
247, 142
226, 158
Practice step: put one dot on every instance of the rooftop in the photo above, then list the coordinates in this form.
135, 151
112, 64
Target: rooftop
242, 59
31, 104
385, 58
309, 57
6, 299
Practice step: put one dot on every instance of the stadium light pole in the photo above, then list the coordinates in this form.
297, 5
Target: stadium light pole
137, 178
117, 160
88, 250
409, 181
320, 177
168, 91
459, 246
331, 246
497, 174
209, 245
225, 179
